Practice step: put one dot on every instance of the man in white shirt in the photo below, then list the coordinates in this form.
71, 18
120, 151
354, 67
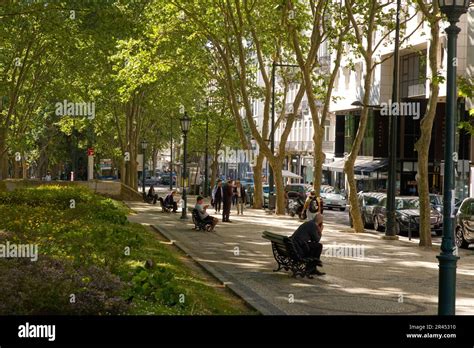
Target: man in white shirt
48, 176
203, 214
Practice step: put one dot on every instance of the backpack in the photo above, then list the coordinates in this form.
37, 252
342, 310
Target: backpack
313, 206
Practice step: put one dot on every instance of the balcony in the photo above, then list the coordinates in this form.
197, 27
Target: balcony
306, 146
329, 146
416, 90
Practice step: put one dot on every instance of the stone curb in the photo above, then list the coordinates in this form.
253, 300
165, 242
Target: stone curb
245, 293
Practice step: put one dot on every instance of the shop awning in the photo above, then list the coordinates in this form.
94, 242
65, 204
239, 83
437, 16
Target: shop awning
363, 165
370, 166
288, 174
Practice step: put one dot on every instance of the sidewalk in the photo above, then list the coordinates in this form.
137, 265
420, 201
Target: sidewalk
392, 277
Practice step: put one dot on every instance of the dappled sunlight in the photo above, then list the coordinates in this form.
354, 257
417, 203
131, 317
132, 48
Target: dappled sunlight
369, 283
379, 292
419, 264
238, 264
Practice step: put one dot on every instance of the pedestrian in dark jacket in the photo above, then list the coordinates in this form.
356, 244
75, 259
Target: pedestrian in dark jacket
152, 196
227, 201
217, 195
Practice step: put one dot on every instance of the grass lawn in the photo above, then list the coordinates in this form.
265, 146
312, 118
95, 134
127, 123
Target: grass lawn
92, 260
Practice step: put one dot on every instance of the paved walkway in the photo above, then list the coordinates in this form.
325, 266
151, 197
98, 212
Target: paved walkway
391, 277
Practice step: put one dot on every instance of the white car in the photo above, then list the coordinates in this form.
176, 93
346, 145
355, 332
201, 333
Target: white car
334, 201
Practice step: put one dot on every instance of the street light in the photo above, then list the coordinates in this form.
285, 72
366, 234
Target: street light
206, 164
144, 146
453, 9
391, 231
171, 154
185, 125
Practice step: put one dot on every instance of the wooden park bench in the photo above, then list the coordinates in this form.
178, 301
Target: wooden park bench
199, 224
287, 256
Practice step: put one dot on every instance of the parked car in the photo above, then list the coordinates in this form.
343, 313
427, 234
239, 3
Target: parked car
266, 195
465, 223
151, 181
367, 202
407, 210
327, 189
298, 190
334, 200
165, 180
436, 202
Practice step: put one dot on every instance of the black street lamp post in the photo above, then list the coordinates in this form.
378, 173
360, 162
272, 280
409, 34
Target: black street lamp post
206, 164
171, 154
391, 231
144, 146
185, 125
453, 9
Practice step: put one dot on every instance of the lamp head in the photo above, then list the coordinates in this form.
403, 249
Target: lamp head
185, 123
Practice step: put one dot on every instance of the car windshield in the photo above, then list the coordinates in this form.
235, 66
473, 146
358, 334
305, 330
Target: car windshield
371, 200
266, 189
333, 196
436, 200
407, 203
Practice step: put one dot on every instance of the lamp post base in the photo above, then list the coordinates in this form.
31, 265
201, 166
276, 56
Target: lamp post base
447, 284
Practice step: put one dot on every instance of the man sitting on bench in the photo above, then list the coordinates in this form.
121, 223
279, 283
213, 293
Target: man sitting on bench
203, 215
170, 203
306, 239
152, 196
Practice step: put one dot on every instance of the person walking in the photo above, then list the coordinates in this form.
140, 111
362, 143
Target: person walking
227, 201
312, 206
239, 194
234, 196
217, 195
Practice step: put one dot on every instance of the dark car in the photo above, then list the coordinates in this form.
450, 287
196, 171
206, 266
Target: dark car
367, 202
298, 190
465, 223
436, 202
165, 179
407, 210
266, 195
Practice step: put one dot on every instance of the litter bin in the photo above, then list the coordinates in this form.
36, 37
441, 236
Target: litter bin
271, 202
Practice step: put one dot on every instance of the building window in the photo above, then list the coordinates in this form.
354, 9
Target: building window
326, 132
413, 75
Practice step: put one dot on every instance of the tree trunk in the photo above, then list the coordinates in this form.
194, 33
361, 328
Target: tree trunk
257, 179
423, 190
155, 155
3, 154
354, 209
319, 158
349, 165
16, 169
422, 146
277, 167
214, 169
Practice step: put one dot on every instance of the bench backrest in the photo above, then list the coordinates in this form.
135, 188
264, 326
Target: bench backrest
196, 216
283, 244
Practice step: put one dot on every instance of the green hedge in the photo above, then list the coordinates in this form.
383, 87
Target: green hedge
92, 251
